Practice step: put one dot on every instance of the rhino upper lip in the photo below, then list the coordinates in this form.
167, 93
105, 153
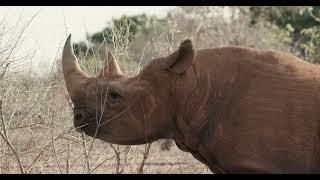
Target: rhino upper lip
89, 118
80, 108
89, 121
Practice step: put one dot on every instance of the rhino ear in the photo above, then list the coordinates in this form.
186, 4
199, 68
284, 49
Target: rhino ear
111, 69
182, 59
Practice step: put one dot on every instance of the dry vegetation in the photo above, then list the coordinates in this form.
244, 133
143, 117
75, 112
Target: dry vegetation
36, 120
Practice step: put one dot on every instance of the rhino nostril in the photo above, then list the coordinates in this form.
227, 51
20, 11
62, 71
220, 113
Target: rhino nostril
78, 116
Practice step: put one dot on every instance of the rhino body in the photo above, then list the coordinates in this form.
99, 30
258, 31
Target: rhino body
235, 109
251, 111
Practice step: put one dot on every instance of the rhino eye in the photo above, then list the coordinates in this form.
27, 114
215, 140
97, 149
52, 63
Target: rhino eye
114, 97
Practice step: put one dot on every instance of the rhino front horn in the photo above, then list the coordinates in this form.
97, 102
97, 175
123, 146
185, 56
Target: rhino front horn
71, 69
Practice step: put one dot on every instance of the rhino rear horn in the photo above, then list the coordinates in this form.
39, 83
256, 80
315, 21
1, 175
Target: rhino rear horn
111, 69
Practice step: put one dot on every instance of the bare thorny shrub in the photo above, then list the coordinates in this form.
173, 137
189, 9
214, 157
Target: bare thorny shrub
10, 40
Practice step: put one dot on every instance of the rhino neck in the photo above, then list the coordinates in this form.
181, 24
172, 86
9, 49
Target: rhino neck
193, 92
198, 95
201, 95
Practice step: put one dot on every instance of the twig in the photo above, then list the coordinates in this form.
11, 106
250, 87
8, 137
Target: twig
53, 147
145, 157
68, 158
4, 136
4, 71
117, 154
84, 145
23, 126
20, 35
126, 152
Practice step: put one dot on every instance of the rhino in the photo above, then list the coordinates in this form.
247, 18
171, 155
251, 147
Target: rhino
235, 109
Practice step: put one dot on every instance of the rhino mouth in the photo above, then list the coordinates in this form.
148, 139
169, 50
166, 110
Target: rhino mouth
90, 127
83, 119
84, 123
80, 128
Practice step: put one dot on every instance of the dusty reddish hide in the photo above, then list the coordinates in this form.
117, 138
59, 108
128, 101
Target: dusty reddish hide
236, 109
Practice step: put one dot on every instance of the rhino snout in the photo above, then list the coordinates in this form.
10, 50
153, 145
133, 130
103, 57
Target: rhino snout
80, 119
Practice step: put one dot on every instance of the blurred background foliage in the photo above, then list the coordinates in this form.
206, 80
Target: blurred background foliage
137, 39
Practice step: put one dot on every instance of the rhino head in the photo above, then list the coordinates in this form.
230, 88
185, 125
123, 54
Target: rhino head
121, 110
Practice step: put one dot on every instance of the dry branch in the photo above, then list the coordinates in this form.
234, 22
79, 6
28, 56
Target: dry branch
145, 157
4, 136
